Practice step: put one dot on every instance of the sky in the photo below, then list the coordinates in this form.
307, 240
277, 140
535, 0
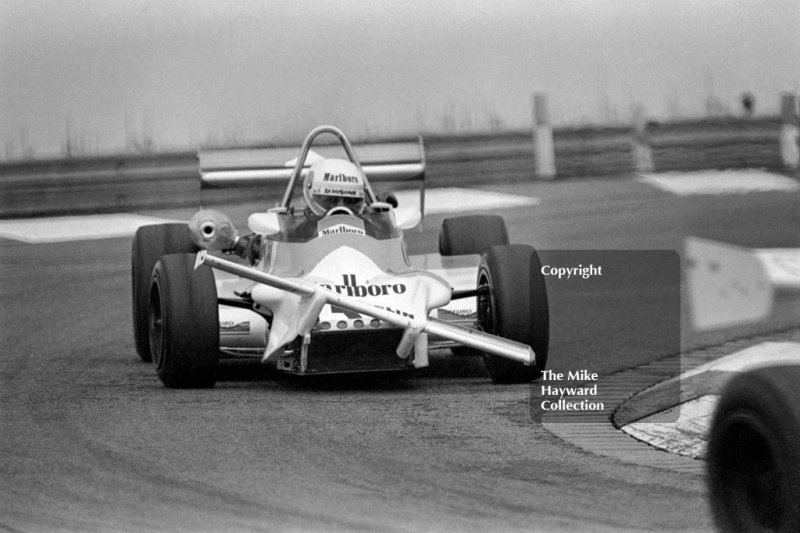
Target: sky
105, 76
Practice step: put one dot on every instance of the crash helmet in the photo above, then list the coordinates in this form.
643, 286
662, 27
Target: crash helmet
334, 183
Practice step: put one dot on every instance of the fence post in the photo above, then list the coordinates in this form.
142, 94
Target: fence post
790, 152
544, 150
642, 152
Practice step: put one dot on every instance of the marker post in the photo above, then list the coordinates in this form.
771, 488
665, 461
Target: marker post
790, 152
544, 149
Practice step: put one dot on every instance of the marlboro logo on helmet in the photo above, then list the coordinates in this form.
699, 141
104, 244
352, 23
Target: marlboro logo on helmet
341, 178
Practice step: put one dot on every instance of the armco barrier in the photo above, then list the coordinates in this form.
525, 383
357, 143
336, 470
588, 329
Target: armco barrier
593, 152
710, 144
114, 184
98, 185
509, 156
471, 159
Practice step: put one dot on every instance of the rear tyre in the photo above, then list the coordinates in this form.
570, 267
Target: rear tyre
753, 458
184, 323
471, 234
149, 244
515, 307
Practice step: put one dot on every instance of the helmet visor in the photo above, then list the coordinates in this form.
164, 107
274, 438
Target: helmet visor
329, 202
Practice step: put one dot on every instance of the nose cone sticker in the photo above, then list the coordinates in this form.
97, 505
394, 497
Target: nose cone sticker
340, 225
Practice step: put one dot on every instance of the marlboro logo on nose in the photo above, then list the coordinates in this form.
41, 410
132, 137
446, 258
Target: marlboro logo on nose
350, 287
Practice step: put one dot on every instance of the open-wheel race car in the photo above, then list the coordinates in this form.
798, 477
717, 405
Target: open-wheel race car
328, 286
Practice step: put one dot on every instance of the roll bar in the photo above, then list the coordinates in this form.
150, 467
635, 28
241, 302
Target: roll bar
380, 162
301, 160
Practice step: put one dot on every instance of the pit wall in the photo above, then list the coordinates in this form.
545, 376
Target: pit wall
123, 183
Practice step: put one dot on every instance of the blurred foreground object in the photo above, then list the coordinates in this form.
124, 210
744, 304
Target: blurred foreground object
730, 285
753, 454
727, 285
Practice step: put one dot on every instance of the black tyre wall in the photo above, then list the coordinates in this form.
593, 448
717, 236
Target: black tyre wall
753, 457
186, 347
471, 234
520, 309
149, 244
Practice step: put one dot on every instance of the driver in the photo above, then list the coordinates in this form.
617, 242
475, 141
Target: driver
334, 183
332, 186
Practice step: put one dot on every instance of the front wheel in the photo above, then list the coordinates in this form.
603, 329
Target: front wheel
753, 459
514, 305
184, 323
149, 244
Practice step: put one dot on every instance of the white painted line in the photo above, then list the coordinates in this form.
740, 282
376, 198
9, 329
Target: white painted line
64, 229
457, 200
689, 434
720, 182
76, 228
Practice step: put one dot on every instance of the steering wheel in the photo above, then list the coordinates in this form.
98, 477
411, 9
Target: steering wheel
339, 210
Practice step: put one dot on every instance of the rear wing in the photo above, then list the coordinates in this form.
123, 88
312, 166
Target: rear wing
382, 162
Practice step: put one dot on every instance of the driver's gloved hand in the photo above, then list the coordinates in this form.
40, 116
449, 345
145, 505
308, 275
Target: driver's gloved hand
249, 247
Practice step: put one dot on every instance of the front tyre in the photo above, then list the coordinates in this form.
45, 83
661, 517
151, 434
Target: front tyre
753, 459
514, 307
149, 244
184, 323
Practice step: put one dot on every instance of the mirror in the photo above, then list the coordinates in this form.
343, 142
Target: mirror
407, 217
264, 223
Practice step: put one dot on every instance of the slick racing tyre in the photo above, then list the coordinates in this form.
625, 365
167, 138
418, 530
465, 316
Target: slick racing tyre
184, 323
471, 234
149, 244
514, 307
753, 458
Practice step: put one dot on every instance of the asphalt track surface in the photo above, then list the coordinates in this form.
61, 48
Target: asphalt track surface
91, 441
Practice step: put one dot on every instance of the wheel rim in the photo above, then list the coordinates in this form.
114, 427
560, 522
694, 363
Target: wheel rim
156, 326
486, 311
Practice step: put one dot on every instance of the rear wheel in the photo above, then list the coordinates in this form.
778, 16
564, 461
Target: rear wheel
471, 234
184, 323
149, 244
753, 459
514, 307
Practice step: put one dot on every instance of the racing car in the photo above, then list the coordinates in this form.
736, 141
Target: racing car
326, 286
